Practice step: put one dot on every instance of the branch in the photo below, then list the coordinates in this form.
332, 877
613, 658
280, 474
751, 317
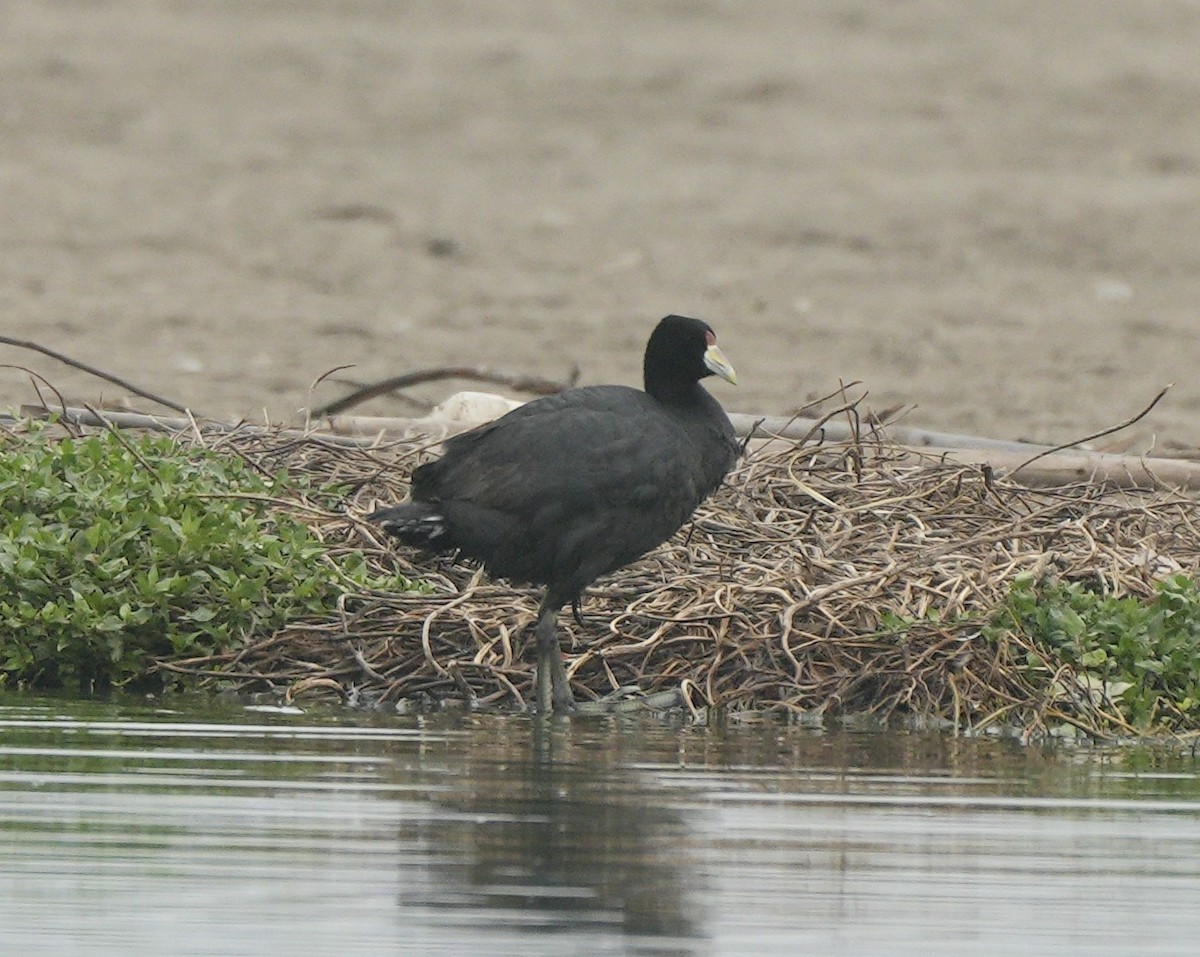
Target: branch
92, 370
1103, 432
518, 383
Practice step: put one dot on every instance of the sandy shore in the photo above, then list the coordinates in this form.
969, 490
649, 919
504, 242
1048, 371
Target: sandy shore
990, 210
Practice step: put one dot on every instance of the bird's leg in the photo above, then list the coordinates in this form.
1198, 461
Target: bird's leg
553, 689
576, 612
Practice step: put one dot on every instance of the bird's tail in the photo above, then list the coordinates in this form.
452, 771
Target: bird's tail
414, 523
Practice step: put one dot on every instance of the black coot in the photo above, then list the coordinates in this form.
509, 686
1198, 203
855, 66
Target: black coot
571, 486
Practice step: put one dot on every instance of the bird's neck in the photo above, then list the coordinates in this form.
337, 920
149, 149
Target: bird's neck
684, 393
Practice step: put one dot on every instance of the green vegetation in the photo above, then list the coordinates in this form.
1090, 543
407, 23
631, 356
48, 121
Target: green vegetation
117, 549
1139, 657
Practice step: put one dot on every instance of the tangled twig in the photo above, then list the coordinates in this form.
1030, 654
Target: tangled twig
783, 598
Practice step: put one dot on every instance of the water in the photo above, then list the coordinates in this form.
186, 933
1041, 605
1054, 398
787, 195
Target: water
136, 830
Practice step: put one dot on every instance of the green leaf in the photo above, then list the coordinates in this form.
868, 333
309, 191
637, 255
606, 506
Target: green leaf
117, 550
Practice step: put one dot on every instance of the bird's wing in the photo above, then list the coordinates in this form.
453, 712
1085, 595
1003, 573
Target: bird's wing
601, 447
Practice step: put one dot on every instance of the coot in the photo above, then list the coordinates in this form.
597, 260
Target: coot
569, 487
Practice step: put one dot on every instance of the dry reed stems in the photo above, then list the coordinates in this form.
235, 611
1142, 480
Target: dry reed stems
783, 595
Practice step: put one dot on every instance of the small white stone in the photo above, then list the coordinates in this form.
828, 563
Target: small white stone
1112, 290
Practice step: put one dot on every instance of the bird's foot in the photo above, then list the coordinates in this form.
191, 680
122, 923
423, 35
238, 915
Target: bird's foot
629, 699
625, 700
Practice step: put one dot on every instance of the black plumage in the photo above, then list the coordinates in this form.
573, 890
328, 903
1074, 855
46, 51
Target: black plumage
571, 486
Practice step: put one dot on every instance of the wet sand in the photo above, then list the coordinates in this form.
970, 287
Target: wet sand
990, 211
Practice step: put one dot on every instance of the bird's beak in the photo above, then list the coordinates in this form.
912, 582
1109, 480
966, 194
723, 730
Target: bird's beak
717, 364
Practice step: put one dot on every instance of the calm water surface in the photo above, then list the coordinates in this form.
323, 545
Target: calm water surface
156, 831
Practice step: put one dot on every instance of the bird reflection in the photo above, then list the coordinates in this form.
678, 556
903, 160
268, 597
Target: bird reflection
546, 828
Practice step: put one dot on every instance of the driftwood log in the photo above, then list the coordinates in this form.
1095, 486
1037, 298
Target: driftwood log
1016, 460
1013, 459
